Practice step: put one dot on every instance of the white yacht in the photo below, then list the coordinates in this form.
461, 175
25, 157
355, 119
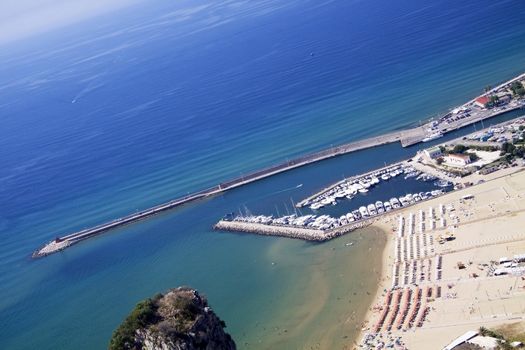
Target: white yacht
395, 203
364, 183
379, 207
433, 136
371, 209
363, 211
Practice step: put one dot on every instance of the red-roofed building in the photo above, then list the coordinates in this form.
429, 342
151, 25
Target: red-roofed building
482, 101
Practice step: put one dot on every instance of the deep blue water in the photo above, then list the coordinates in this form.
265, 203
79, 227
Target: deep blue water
129, 110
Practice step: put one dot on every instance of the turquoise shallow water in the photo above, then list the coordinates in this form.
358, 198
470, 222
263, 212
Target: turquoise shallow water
121, 113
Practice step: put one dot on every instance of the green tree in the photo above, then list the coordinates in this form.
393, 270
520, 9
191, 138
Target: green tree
459, 149
472, 156
124, 335
518, 152
507, 147
517, 88
483, 331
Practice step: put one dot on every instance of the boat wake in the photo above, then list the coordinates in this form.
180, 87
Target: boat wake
276, 192
287, 189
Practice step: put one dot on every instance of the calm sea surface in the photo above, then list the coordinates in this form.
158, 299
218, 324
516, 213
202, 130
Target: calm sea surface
133, 109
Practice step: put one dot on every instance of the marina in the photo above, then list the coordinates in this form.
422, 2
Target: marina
362, 184
427, 132
320, 228
197, 110
414, 245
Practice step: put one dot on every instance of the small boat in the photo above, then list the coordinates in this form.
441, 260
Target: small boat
316, 206
340, 194
327, 201
385, 177
364, 184
387, 206
379, 207
412, 174
349, 244
395, 203
433, 136
364, 212
442, 183
363, 190
372, 209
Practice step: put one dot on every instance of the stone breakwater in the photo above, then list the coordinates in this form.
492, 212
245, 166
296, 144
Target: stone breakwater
306, 234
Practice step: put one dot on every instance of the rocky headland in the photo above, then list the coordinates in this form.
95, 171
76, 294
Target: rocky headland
177, 320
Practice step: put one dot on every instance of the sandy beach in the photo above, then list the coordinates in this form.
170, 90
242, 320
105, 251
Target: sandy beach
455, 278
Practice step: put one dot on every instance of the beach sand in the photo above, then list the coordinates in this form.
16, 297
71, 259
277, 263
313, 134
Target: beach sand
487, 227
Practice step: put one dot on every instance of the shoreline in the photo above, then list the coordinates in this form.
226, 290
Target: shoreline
467, 248
383, 283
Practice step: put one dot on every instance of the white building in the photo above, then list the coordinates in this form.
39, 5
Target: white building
459, 160
433, 153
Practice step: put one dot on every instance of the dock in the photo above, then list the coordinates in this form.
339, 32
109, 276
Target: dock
305, 201
61, 243
307, 234
405, 137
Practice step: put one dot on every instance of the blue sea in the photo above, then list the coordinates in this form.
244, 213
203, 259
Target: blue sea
164, 98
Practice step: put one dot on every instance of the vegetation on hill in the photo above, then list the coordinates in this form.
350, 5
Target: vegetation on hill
179, 319
142, 315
